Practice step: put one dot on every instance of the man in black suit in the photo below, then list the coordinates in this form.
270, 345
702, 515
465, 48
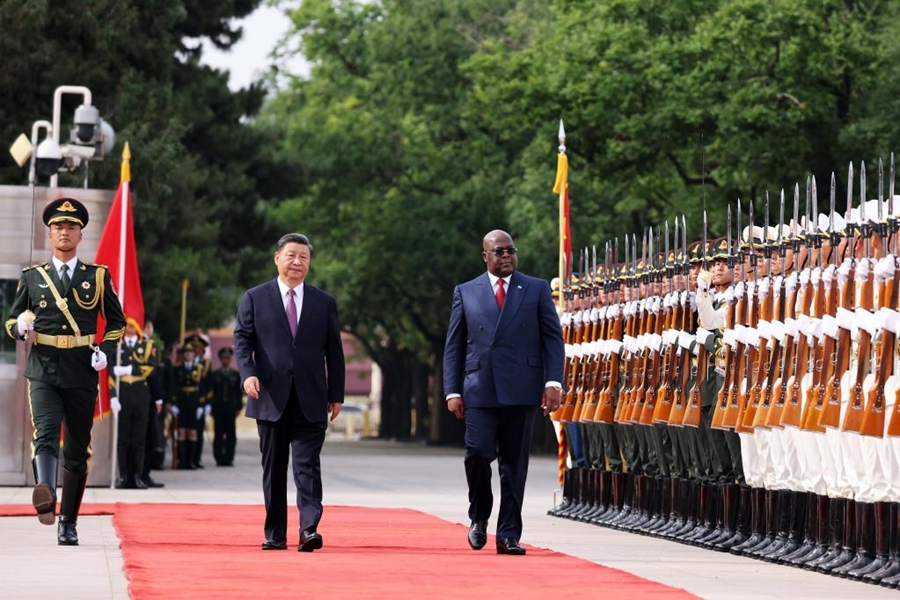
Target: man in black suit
287, 344
503, 361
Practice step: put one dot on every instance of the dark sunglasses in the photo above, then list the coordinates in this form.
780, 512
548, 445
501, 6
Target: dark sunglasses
498, 252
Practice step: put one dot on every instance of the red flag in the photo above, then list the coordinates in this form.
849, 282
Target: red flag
117, 251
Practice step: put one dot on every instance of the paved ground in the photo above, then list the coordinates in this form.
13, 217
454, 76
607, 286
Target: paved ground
381, 474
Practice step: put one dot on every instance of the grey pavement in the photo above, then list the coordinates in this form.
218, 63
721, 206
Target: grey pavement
382, 474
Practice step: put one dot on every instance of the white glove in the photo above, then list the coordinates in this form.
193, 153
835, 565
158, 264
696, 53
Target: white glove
199, 412
25, 323
174, 410
207, 409
121, 371
98, 360
704, 281
115, 405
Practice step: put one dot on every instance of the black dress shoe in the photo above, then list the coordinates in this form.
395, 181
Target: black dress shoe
273, 545
309, 541
122, 484
510, 546
478, 534
150, 483
139, 484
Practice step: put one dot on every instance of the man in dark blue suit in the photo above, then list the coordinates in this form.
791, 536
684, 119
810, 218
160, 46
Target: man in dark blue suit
287, 343
503, 361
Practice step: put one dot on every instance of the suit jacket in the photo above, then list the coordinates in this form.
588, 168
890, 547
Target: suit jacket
313, 361
90, 294
502, 358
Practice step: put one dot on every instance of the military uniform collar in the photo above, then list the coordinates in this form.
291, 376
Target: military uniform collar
57, 264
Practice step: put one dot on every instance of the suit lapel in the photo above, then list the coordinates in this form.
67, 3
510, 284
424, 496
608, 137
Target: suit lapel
307, 312
486, 299
515, 292
278, 301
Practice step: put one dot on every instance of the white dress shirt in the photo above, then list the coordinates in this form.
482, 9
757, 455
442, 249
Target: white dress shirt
57, 264
298, 296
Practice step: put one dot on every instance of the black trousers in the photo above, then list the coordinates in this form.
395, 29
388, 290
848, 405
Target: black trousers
73, 408
503, 434
292, 436
226, 437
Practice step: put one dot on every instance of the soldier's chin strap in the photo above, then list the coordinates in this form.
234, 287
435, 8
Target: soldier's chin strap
61, 303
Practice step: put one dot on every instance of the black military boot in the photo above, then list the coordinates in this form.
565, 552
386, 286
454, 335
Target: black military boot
704, 523
69, 505
741, 496
834, 537
578, 493
865, 541
771, 523
882, 543
616, 495
892, 568
757, 521
123, 458
566, 495
808, 544
728, 506
627, 499
649, 504
848, 542
43, 497
676, 514
137, 468
693, 514
185, 454
716, 510
784, 521
662, 495
637, 505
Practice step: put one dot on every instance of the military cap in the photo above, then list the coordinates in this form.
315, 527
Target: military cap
757, 237
554, 287
695, 252
720, 249
226, 351
65, 209
195, 341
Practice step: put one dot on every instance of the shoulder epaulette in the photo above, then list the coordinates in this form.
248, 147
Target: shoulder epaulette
43, 264
87, 264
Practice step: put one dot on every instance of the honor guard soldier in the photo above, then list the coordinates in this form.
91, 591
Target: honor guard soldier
191, 378
130, 398
60, 301
227, 403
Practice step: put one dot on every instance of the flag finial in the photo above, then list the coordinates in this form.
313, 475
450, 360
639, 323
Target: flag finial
126, 163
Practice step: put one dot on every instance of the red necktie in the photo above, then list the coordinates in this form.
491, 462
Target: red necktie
501, 293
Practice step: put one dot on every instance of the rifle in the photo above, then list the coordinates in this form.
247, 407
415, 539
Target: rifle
763, 327
692, 413
654, 341
830, 413
735, 368
663, 404
605, 404
808, 282
636, 402
826, 366
751, 337
721, 398
680, 344
587, 361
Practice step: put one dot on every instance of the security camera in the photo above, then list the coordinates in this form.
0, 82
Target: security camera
87, 117
49, 158
105, 140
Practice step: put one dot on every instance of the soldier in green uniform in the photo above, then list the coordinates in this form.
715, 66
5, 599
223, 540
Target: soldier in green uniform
191, 380
60, 301
136, 360
227, 403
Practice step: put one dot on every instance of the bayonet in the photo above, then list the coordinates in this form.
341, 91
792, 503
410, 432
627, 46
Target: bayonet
674, 272
863, 220
728, 240
832, 234
751, 231
782, 251
634, 257
739, 251
892, 220
814, 222
703, 241
765, 243
685, 265
651, 275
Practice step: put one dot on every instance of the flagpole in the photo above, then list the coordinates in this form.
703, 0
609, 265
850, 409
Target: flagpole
561, 186
184, 288
125, 179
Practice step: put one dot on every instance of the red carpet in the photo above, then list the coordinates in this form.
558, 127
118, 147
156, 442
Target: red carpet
176, 551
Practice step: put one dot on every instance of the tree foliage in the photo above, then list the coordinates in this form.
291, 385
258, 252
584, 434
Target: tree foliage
196, 160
